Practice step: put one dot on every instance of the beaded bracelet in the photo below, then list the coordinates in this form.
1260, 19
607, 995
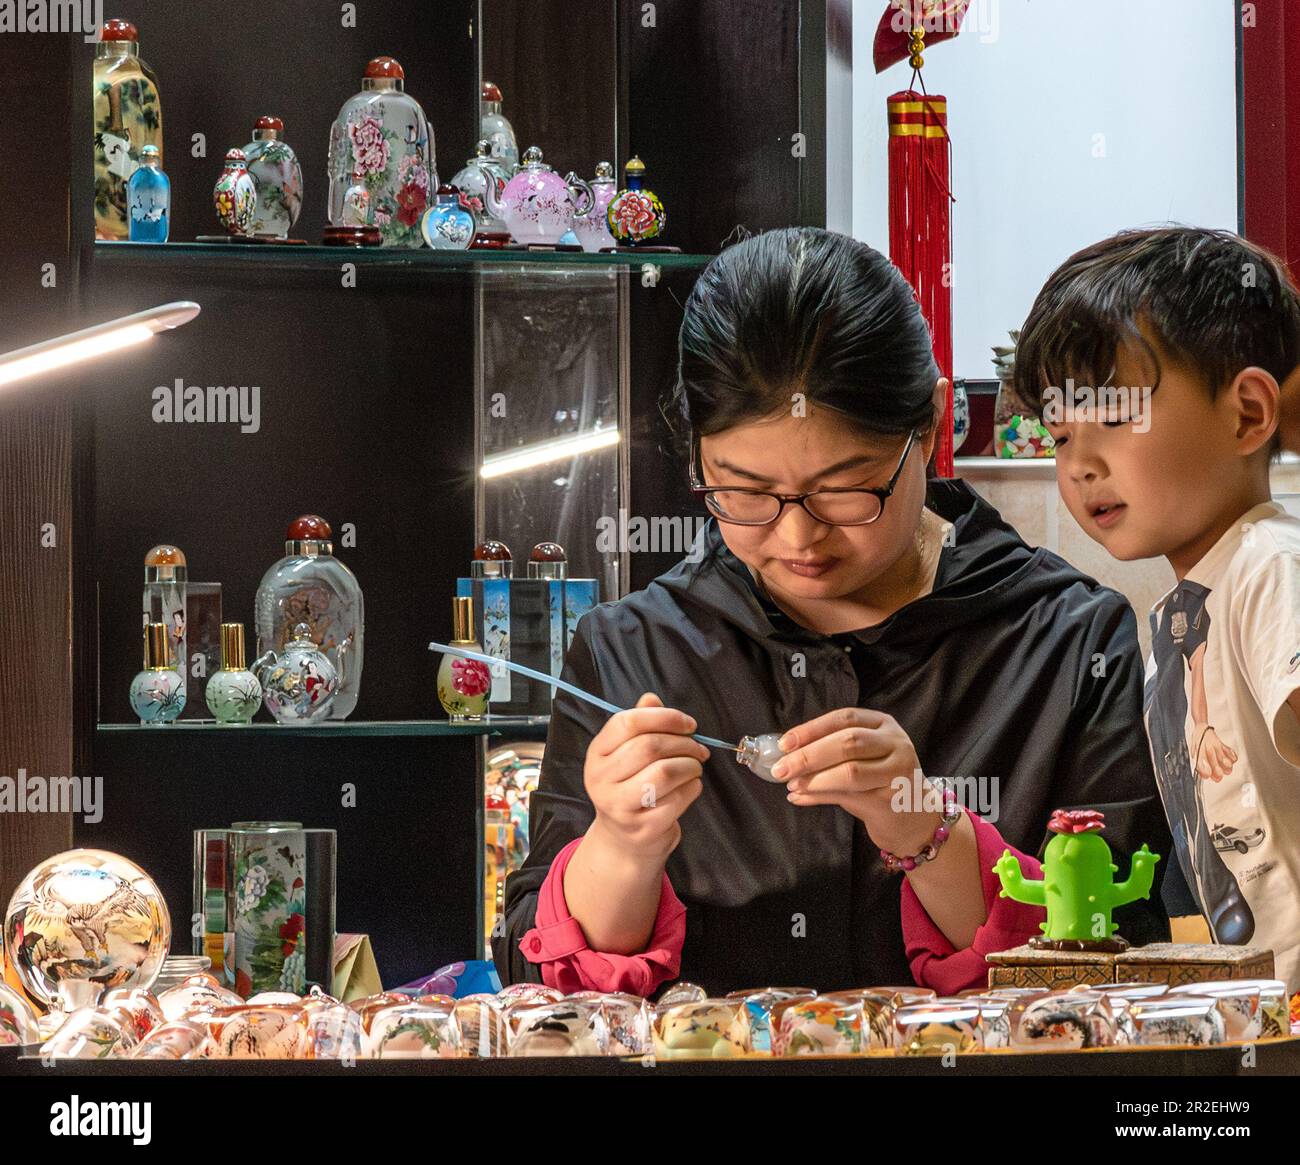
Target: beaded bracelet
951, 814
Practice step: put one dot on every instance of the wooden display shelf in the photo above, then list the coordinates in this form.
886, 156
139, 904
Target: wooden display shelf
1272, 1058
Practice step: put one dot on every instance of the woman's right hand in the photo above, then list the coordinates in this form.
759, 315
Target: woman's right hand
642, 773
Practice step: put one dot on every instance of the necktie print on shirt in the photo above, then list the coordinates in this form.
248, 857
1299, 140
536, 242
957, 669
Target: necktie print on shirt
1179, 645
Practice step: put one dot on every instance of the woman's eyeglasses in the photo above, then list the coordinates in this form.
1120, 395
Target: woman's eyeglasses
831, 507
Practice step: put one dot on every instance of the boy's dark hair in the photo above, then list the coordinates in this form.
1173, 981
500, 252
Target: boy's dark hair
1212, 301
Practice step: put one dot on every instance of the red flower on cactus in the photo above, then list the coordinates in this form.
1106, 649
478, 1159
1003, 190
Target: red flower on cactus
1077, 821
290, 932
469, 677
412, 200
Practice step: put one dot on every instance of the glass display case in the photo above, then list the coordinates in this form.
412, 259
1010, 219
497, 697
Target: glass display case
552, 390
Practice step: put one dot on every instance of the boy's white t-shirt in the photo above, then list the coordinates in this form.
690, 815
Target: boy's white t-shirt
1250, 627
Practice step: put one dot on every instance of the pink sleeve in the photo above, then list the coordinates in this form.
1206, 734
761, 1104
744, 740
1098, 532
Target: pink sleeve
569, 964
935, 962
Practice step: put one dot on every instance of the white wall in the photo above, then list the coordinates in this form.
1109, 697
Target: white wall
1070, 120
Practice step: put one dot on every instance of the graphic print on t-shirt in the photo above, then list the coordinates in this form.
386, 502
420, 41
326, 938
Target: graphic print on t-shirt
1178, 645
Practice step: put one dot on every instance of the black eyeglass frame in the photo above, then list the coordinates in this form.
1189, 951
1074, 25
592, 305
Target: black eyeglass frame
703, 491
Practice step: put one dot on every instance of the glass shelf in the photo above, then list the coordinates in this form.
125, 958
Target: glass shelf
492, 726
1044, 467
274, 255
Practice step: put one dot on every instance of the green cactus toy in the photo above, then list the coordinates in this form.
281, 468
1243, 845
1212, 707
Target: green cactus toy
1076, 887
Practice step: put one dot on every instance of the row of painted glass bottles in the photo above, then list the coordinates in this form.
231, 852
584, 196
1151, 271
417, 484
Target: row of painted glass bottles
300, 686
383, 173
310, 622
382, 155
310, 628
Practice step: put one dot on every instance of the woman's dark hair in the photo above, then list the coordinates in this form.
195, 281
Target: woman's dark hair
804, 311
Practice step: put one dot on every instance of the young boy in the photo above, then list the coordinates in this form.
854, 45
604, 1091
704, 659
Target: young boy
1156, 357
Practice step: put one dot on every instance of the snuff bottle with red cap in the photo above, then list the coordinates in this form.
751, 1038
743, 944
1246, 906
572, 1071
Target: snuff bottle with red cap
309, 585
382, 141
275, 171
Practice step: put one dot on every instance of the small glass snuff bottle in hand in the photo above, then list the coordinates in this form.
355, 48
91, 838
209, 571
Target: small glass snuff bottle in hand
760, 753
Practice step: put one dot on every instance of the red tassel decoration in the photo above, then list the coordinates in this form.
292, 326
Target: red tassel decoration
920, 226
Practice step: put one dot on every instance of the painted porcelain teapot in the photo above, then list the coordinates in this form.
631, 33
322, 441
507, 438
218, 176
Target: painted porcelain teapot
538, 205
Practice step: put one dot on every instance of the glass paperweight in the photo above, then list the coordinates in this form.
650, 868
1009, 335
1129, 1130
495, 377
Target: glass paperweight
88, 1033
416, 1031
171, 1041
233, 693
482, 1029
149, 199
335, 1033
995, 1020
906, 996
158, 692
1274, 1002
299, 685
704, 1029
277, 178
1192, 1020
572, 1027
463, 684
197, 994
528, 993
260, 1033
309, 585
682, 992
495, 129
635, 215
82, 922
877, 1017
128, 117
1062, 1021
382, 140
139, 1007
938, 1029
819, 1027
627, 1020
372, 1005
235, 195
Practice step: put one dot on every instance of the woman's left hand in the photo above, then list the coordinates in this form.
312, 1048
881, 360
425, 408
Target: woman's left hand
854, 758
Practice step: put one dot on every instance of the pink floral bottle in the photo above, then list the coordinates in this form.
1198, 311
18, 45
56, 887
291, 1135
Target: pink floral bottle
463, 684
382, 141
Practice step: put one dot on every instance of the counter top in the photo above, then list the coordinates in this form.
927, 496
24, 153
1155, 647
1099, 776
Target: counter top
1272, 1058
